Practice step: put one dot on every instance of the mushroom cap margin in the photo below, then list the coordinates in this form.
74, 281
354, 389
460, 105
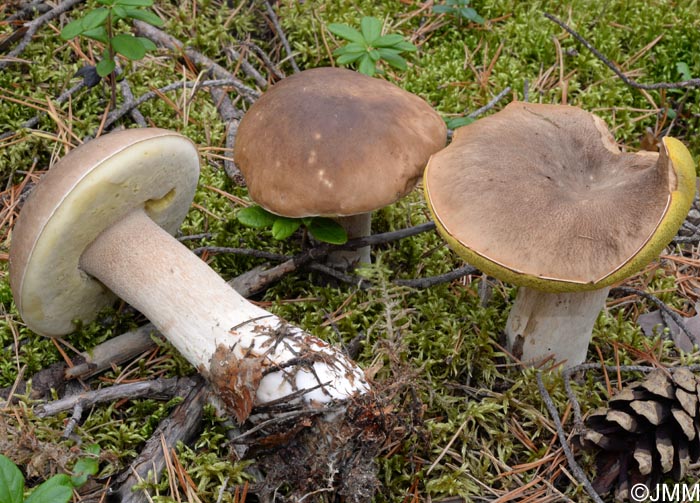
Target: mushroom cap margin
681, 167
90, 188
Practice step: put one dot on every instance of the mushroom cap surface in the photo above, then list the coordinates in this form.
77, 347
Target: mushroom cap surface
541, 196
88, 190
334, 142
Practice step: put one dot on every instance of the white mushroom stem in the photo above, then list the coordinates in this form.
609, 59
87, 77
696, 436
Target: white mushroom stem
356, 226
559, 325
233, 343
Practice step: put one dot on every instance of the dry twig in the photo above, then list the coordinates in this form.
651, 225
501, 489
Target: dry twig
630, 82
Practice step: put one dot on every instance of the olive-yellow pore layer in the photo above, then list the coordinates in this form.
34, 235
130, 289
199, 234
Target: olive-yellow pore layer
540, 196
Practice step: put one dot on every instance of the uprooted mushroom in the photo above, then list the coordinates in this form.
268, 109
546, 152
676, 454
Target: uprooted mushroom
99, 224
542, 197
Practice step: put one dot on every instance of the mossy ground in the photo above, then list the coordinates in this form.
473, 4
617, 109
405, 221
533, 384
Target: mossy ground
475, 424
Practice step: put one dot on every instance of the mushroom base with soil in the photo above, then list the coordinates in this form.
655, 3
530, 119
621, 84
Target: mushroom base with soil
553, 325
92, 229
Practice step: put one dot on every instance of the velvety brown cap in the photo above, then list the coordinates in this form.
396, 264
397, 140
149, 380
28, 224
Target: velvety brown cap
539, 194
334, 142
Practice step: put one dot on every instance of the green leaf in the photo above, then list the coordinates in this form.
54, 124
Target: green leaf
387, 40
285, 227
351, 48
471, 14
374, 54
393, 59
72, 29
147, 43
58, 489
11, 482
105, 67
684, 70
327, 230
144, 15
456, 122
367, 65
128, 46
256, 217
346, 59
134, 3
371, 28
346, 32
108, 3
99, 34
405, 47
443, 9
118, 12
85, 467
95, 18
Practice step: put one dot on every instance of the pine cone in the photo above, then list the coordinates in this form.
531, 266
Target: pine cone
650, 431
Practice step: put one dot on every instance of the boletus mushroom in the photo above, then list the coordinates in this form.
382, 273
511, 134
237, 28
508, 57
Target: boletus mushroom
99, 225
541, 196
335, 143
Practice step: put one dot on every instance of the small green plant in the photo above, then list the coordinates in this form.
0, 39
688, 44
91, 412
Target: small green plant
459, 8
101, 24
368, 47
57, 489
323, 229
455, 122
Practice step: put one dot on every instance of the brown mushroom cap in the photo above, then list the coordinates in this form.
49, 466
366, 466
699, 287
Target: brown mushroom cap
334, 142
541, 196
88, 190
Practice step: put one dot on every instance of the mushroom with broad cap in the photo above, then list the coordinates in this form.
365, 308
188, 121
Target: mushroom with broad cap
335, 143
99, 224
542, 197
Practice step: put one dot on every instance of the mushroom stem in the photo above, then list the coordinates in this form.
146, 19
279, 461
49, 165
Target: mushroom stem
210, 324
356, 226
559, 325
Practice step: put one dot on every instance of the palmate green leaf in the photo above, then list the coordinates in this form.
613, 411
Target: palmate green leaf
144, 15
105, 67
346, 59
58, 489
371, 28
351, 48
387, 40
392, 57
367, 66
11, 482
284, 227
404, 46
346, 32
129, 46
255, 216
327, 230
